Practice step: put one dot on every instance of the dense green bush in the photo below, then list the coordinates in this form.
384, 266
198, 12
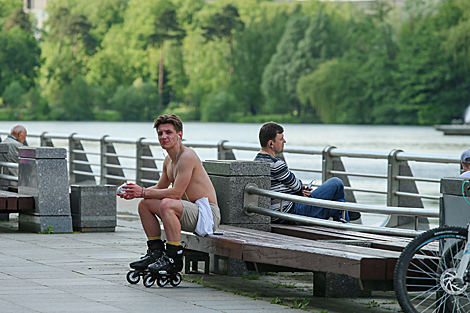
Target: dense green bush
218, 107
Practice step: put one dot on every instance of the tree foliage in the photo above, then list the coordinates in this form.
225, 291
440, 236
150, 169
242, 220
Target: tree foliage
231, 60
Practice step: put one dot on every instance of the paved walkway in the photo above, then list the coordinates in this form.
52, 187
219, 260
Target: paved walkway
85, 272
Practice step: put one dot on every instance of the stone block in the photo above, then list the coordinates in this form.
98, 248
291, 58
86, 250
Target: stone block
42, 153
228, 266
229, 178
453, 186
43, 223
93, 208
328, 285
43, 175
236, 168
47, 181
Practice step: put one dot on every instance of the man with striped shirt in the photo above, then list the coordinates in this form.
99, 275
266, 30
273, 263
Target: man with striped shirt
271, 138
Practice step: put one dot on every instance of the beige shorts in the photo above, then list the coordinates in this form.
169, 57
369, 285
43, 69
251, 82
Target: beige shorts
190, 216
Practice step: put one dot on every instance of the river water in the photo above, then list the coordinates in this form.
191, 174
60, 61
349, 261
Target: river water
411, 139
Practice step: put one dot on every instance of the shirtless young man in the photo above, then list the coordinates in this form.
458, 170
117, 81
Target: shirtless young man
175, 206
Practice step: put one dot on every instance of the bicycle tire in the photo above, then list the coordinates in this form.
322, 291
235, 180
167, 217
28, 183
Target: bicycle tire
423, 274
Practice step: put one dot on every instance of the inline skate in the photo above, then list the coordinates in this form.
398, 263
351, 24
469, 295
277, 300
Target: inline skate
155, 251
166, 269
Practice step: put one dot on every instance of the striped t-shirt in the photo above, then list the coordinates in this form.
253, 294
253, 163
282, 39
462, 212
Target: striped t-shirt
282, 180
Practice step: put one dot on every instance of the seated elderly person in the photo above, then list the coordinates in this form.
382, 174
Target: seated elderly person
15, 140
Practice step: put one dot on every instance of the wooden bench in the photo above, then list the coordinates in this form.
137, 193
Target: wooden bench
352, 255
12, 202
383, 242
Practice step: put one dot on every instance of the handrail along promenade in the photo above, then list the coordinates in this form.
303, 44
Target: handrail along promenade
252, 208
96, 158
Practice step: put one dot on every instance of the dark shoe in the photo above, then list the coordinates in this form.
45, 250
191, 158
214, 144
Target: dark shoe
155, 251
354, 216
170, 262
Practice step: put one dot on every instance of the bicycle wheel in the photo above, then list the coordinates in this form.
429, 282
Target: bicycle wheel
425, 271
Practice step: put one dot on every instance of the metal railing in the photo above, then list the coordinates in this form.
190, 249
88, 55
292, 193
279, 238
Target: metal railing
250, 206
4, 169
112, 160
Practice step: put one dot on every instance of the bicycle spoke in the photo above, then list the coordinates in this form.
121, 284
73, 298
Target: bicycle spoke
420, 269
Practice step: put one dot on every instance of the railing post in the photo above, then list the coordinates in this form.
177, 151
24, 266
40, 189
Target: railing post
139, 163
108, 157
402, 168
224, 154
331, 163
327, 163
143, 177
103, 158
72, 158
45, 142
393, 171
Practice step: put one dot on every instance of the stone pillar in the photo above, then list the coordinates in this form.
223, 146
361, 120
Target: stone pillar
454, 210
229, 178
93, 208
43, 174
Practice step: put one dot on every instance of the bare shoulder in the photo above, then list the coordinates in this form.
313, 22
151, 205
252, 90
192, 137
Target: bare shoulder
189, 156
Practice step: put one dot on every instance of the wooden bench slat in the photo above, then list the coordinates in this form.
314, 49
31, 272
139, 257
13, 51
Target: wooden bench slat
281, 250
316, 233
11, 202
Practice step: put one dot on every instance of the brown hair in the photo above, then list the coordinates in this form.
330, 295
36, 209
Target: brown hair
169, 119
269, 132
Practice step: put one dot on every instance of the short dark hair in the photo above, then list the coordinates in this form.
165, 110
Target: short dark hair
269, 132
169, 119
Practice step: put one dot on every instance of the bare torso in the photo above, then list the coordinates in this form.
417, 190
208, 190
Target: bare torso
188, 163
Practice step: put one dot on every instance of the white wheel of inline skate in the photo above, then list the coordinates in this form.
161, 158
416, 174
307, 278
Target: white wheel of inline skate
162, 280
175, 279
133, 277
149, 280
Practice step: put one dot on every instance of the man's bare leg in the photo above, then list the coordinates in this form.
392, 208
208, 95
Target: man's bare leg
170, 213
155, 245
148, 208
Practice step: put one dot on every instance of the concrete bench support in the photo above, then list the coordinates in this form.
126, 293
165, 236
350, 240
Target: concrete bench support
454, 210
43, 175
229, 178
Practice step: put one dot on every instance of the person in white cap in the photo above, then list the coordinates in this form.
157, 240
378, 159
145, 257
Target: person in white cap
465, 161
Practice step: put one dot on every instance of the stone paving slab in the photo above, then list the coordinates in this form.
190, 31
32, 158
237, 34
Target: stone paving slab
85, 272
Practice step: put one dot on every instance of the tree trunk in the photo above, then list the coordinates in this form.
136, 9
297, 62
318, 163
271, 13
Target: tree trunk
230, 42
160, 74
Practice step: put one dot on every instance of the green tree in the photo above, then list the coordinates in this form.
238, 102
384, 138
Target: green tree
254, 49
7, 7
136, 102
74, 102
218, 107
71, 29
306, 43
19, 58
223, 25
428, 78
14, 95
39, 108
18, 19
166, 28
279, 72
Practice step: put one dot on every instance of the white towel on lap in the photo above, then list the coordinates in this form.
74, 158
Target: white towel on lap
205, 221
